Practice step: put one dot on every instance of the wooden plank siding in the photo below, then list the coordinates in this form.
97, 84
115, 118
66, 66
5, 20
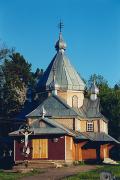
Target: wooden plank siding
88, 154
51, 150
104, 150
69, 148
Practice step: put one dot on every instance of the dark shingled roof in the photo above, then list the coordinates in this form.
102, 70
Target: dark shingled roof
96, 136
41, 131
66, 76
91, 109
55, 107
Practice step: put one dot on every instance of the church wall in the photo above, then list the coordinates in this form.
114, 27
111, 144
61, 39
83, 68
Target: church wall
103, 126
63, 95
77, 124
79, 94
67, 122
69, 150
68, 96
88, 154
31, 120
56, 150
96, 125
83, 126
19, 149
104, 151
99, 126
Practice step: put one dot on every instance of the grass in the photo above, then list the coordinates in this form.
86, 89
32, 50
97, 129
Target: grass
95, 174
16, 176
90, 175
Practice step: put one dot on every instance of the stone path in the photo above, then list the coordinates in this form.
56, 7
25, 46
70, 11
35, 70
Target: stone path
59, 173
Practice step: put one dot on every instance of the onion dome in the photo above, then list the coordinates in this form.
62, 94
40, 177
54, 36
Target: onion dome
60, 44
94, 91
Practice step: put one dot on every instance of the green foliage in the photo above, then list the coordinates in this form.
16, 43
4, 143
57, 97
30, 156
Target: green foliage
110, 103
4, 51
95, 174
17, 73
100, 81
18, 175
19, 70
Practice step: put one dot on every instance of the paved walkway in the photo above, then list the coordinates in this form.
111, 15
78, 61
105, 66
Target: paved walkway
59, 173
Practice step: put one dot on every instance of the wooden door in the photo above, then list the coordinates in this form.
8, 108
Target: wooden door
35, 145
40, 148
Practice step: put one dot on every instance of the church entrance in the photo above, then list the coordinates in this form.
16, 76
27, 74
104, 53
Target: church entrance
40, 148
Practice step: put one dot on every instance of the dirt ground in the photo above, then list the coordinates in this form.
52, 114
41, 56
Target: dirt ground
59, 173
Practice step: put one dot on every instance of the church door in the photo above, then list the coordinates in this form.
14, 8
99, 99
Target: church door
40, 148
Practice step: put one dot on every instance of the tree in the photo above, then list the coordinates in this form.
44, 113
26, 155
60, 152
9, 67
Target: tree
100, 81
110, 103
18, 76
5, 51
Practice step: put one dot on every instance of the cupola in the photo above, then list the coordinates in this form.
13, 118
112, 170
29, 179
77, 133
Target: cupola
60, 44
94, 91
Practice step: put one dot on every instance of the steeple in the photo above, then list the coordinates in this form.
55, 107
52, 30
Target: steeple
60, 44
60, 74
94, 91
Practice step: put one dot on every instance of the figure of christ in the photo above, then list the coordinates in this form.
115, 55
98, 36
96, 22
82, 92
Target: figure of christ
26, 134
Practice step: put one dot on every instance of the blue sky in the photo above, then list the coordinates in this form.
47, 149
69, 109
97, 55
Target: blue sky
91, 31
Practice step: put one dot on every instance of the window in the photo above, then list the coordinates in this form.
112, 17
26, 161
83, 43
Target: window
75, 101
89, 126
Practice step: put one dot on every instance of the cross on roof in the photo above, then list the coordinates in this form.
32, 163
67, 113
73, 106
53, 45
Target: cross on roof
60, 26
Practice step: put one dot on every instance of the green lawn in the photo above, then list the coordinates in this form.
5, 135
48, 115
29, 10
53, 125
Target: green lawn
16, 176
95, 174
91, 175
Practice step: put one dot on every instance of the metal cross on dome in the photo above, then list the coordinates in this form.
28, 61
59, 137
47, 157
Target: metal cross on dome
60, 26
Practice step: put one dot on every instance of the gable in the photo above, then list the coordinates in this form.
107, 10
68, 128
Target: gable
41, 124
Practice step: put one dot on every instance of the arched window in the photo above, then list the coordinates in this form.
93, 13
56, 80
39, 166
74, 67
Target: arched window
75, 101
90, 127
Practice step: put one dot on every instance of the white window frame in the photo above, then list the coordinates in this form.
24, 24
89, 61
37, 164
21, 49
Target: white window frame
90, 127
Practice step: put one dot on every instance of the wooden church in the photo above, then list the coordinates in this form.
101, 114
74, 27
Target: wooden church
64, 125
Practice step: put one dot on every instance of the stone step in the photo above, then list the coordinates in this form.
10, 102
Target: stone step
34, 167
38, 164
109, 161
40, 161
